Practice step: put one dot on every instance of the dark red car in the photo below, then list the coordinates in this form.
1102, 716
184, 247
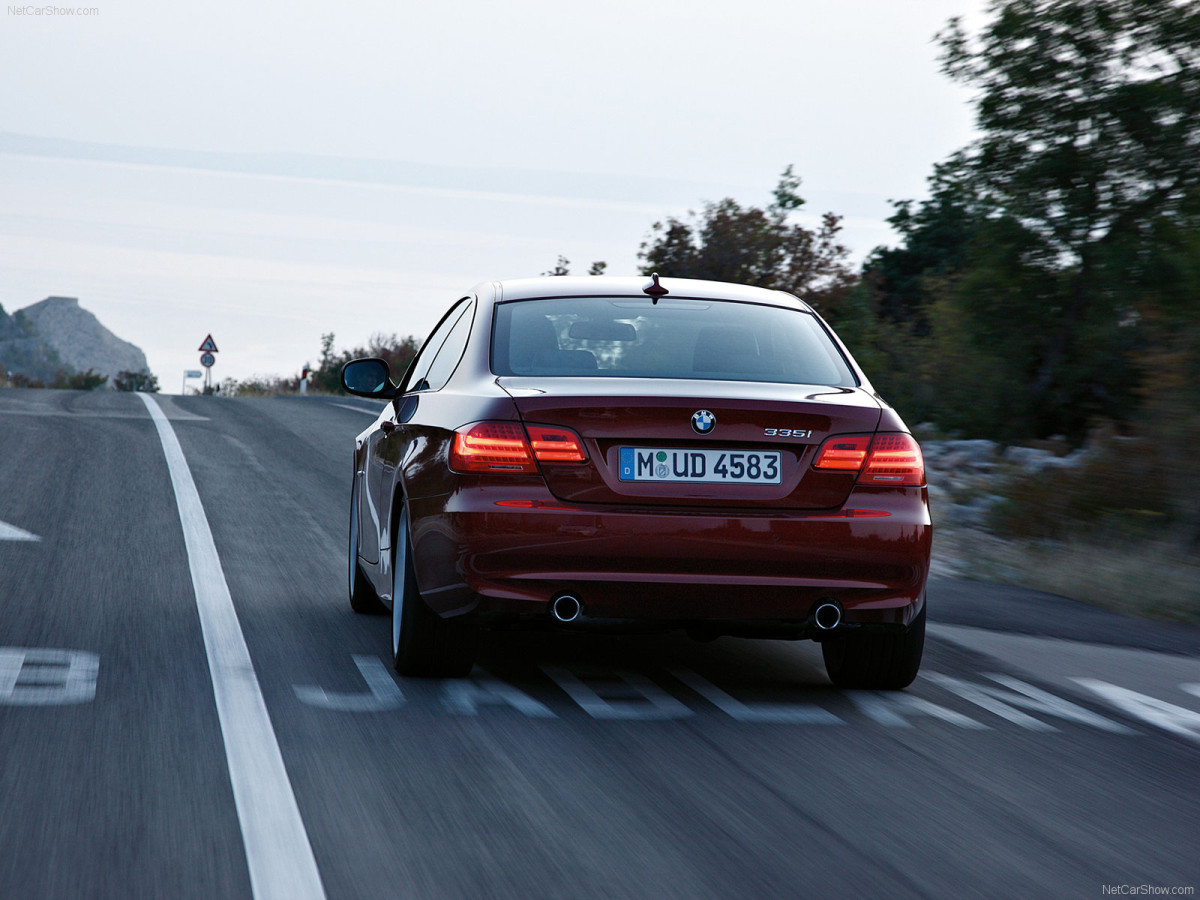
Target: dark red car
569, 452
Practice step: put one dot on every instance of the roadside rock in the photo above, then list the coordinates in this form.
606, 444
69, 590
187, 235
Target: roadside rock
80, 340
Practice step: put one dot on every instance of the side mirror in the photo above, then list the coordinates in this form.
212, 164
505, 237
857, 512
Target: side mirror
369, 377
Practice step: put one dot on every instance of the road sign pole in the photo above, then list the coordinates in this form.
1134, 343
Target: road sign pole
207, 349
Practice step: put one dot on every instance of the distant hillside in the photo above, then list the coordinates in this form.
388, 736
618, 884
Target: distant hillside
23, 351
56, 335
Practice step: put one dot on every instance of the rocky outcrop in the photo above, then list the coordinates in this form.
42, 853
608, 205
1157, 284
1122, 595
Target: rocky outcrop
964, 476
78, 338
23, 351
966, 480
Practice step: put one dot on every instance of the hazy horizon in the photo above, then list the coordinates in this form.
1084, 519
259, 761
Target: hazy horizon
267, 263
268, 174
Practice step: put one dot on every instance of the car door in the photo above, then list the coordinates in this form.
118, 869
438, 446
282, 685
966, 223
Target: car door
390, 441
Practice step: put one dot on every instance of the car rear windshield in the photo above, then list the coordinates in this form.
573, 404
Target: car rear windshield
629, 337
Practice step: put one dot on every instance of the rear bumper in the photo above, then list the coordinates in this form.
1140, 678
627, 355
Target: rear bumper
512, 554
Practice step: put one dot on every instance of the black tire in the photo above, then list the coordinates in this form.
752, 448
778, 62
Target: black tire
423, 643
363, 598
881, 661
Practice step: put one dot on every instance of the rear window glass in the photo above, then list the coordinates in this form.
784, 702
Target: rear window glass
629, 337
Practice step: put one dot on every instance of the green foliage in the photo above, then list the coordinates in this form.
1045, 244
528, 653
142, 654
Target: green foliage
749, 245
1089, 114
563, 267
65, 379
260, 386
398, 353
937, 237
1122, 487
1046, 280
142, 381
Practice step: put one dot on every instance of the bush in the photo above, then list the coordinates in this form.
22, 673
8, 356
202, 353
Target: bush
398, 353
1122, 488
136, 381
66, 380
261, 386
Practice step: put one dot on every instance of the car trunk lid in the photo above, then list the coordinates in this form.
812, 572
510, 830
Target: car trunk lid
632, 431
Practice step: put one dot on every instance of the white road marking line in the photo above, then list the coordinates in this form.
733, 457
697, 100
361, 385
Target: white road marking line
382, 693
59, 414
777, 713
894, 709
1176, 719
627, 695
13, 533
464, 696
371, 412
278, 852
37, 676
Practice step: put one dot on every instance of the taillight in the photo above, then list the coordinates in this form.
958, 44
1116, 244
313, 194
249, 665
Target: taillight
505, 447
885, 459
843, 454
555, 445
894, 459
492, 447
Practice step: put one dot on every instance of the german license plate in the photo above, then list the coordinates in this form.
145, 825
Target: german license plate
710, 466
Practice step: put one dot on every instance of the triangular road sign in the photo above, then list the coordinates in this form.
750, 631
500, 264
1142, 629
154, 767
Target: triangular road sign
13, 533
209, 346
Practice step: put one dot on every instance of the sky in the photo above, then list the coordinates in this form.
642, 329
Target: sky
539, 129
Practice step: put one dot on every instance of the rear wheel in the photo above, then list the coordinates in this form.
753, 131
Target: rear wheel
363, 598
423, 643
875, 660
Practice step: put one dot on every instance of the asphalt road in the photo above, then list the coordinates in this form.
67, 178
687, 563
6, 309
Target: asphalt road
1046, 750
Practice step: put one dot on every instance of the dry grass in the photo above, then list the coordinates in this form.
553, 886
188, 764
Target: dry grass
1150, 577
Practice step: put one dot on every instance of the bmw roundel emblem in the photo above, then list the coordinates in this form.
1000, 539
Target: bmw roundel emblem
703, 421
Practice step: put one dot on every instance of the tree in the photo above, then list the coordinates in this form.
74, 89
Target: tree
66, 379
398, 352
136, 381
937, 236
563, 267
749, 245
1089, 115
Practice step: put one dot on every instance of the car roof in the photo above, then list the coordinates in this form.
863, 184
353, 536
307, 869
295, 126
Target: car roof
613, 285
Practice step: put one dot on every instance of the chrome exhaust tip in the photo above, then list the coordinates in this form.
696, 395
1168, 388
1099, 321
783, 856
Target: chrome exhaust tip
827, 616
566, 608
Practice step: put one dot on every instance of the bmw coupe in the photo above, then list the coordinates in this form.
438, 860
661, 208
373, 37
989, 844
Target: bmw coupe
665, 454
